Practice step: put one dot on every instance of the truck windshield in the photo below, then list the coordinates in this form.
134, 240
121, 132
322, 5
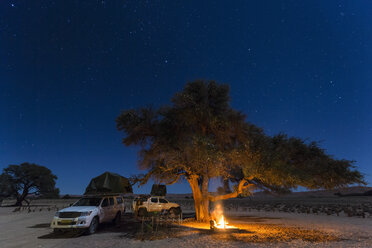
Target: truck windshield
88, 202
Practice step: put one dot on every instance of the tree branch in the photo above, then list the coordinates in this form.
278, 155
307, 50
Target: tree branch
176, 179
243, 185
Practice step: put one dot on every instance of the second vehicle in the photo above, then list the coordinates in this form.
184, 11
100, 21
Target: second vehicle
142, 206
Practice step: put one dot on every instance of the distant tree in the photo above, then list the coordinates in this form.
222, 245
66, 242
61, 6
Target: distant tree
226, 186
25, 179
67, 196
221, 190
200, 137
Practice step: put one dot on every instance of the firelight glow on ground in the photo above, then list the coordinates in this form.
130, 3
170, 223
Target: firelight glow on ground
260, 232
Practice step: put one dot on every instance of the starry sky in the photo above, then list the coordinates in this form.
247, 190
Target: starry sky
67, 69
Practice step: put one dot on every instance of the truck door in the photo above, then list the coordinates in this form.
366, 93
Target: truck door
112, 208
163, 203
120, 204
154, 205
104, 211
107, 209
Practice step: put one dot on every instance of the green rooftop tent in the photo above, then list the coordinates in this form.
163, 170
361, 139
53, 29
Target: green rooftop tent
158, 190
109, 183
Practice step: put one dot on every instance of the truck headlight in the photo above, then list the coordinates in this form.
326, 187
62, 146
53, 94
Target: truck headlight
85, 213
56, 214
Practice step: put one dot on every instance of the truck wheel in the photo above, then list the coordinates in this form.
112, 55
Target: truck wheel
178, 211
142, 212
117, 219
93, 226
174, 212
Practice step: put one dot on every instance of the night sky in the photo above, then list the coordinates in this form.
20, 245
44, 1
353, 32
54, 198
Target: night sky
67, 69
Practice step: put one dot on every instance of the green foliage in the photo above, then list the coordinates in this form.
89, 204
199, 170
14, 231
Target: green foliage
190, 137
5, 186
26, 178
199, 134
287, 162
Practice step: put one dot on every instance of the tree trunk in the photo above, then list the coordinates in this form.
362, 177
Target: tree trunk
243, 185
200, 210
21, 198
205, 199
202, 196
19, 202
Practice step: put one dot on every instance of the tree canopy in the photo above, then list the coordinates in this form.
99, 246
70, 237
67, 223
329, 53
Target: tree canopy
5, 186
200, 136
22, 180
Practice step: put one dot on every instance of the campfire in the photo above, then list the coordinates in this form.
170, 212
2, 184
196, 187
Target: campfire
221, 224
218, 221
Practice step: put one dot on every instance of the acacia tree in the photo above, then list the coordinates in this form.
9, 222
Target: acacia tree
22, 180
199, 137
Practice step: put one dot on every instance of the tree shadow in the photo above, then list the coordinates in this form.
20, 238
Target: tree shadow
58, 235
41, 225
248, 219
62, 235
131, 228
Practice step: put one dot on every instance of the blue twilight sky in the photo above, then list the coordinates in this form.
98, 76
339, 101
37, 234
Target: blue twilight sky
67, 69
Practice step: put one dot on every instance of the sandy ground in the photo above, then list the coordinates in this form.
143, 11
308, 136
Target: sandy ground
263, 229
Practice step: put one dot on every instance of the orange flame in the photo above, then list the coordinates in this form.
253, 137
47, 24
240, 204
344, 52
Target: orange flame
223, 224
219, 221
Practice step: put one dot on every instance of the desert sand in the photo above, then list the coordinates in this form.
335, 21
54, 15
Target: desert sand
272, 226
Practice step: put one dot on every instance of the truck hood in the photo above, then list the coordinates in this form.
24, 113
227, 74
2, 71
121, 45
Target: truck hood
78, 209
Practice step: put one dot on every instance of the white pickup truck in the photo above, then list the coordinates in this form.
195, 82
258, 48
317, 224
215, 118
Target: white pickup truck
142, 206
88, 212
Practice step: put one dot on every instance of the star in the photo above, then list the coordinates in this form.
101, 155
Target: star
12, 5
